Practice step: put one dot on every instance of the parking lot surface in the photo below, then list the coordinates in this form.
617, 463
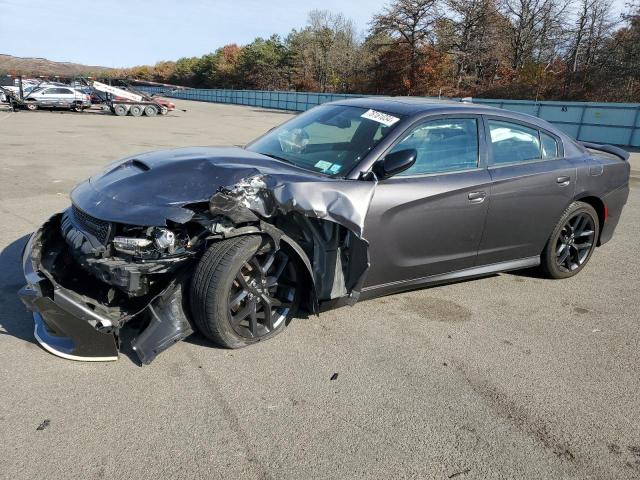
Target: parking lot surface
510, 376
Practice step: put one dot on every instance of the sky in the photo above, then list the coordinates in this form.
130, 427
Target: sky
121, 33
124, 33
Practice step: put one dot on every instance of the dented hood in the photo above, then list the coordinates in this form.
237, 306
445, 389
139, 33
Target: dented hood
151, 188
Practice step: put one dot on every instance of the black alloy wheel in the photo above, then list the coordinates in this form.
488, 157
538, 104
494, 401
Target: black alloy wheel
572, 242
575, 241
244, 290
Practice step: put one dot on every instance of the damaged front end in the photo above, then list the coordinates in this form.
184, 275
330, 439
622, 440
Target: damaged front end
81, 293
93, 268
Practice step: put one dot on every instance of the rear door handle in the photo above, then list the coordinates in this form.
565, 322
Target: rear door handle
563, 181
477, 197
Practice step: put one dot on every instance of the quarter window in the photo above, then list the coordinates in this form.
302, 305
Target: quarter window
511, 142
445, 145
549, 146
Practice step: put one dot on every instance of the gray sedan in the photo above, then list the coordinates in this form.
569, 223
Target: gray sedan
347, 201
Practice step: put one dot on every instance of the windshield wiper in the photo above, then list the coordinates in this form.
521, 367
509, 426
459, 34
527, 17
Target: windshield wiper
275, 157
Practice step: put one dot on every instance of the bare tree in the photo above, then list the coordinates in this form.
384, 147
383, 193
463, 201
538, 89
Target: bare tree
409, 22
593, 26
536, 29
326, 51
473, 36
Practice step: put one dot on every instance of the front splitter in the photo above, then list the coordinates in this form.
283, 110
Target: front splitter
61, 346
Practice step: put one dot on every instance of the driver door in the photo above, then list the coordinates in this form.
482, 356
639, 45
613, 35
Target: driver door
429, 219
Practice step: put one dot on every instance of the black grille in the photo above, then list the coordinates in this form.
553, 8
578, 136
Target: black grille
94, 226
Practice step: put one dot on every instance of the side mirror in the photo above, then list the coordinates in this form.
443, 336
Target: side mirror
395, 163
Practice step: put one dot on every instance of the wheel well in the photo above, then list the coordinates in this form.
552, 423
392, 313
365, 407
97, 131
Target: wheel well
598, 206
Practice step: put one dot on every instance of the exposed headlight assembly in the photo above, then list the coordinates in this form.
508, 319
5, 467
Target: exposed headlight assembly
164, 239
130, 245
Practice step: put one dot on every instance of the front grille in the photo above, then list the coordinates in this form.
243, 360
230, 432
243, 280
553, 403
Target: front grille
94, 226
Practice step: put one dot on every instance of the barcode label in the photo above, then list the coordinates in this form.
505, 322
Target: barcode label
380, 117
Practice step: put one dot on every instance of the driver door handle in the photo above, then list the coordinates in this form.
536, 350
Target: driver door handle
563, 181
476, 197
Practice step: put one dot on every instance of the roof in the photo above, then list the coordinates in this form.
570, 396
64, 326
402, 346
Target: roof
410, 106
406, 105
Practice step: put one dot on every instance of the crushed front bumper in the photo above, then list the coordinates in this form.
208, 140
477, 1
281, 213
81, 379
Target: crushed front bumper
69, 327
62, 322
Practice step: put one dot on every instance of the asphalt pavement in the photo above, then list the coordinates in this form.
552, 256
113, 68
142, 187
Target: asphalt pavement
507, 377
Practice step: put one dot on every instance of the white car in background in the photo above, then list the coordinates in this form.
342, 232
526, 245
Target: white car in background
53, 96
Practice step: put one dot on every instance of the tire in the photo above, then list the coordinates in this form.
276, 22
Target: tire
120, 110
136, 110
150, 110
232, 285
32, 106
572, 241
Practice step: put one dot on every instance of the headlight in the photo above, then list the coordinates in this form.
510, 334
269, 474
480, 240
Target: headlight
130, 245
164, 239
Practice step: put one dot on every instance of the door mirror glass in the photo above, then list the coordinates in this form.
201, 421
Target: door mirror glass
395, 162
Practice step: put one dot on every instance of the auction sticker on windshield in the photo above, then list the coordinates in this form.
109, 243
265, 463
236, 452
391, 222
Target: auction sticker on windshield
380, 117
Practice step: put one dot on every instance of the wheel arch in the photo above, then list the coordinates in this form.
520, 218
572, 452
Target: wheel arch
600, 208
274, 234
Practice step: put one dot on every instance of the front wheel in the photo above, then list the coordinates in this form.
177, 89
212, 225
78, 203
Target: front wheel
572, 242
243, 291
32, 106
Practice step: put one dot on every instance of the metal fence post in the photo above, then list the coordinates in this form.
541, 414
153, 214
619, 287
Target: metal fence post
584, 109
634, 127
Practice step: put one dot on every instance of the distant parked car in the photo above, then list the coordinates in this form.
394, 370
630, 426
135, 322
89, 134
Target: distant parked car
57, 97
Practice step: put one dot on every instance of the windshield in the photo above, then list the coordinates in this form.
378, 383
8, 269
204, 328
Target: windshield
330, 139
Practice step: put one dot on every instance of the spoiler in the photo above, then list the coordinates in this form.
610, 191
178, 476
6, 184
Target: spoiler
617, 151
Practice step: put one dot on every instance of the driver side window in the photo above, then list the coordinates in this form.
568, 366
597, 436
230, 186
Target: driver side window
445, 145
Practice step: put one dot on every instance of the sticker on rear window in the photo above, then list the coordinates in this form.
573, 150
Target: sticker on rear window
380, 117
323, 165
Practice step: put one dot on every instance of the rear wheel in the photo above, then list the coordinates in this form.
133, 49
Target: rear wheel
120, 110
136, 110
572, 242
151, 110
243, 291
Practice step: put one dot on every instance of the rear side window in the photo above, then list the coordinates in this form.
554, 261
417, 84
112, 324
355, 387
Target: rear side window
446, 145
512, 143
549, 146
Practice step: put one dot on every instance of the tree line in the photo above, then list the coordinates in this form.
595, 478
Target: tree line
528, 49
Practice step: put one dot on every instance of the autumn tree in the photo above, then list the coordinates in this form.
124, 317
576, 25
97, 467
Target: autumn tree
410, 25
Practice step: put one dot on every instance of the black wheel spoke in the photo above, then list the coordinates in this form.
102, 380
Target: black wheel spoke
564, 256
237, 298
242, 281
268, 314
268, 262
582, 246
242, 314
253, 318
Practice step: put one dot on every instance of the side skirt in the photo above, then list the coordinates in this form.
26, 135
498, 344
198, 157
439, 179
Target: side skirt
442, 278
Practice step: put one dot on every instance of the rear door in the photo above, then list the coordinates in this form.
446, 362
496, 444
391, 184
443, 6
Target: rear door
532, 184
429, 219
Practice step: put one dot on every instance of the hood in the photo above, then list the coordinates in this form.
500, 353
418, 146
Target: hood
151, 188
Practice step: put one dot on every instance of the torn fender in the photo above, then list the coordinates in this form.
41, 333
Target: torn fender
149, 189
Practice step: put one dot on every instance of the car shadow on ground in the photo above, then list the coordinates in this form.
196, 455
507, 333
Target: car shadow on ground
15, 320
